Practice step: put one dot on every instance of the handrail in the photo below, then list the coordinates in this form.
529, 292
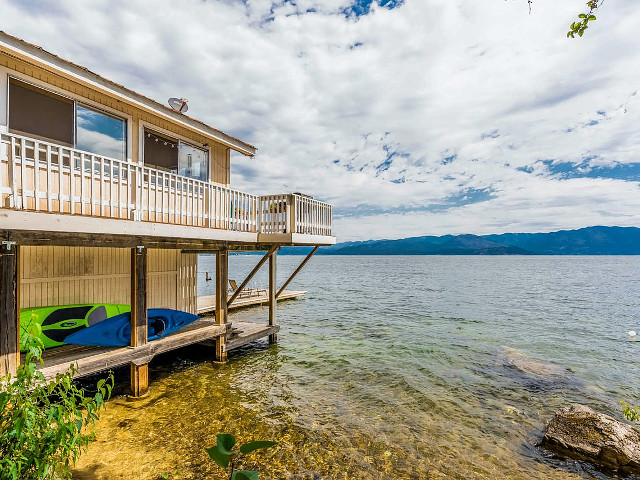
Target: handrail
42, 176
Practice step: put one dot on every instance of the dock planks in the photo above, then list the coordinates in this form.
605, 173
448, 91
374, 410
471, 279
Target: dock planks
89, 360
207, 303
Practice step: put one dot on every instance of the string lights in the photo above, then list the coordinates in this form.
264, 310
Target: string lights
163, 140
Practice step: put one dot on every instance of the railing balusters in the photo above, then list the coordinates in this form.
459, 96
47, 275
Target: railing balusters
194, 202
72, 184
102, 186
82, 187
49, 202
23, 177
36, 177
60, 181
12, 173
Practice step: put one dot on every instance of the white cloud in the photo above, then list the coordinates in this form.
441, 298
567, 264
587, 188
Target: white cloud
485, 81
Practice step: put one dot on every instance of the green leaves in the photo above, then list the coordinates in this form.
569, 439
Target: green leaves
631, 412
245, 475
582, 24
42, 423
221, 459
258, 444
223, 455
226, 441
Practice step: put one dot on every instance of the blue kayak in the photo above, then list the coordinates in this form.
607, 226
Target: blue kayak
116, 331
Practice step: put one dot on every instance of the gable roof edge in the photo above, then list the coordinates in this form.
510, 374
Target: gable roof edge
40, 57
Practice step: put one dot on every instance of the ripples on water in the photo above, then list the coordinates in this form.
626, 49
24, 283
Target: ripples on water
394, 368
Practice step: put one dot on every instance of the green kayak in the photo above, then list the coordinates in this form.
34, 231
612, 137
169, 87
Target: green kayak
59, 321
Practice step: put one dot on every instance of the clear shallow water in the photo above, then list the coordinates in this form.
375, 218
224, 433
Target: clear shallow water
394, 367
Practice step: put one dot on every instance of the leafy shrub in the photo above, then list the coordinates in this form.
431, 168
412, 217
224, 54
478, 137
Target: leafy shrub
223, 455
631, 412
43, 424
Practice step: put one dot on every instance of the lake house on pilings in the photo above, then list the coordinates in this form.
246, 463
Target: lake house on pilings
107, 196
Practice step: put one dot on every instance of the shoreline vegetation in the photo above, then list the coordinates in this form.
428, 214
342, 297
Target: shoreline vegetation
597, 240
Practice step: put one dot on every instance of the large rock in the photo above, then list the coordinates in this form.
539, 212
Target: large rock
529, 365
578, 431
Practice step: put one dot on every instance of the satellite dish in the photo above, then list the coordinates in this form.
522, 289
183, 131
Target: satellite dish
179, 104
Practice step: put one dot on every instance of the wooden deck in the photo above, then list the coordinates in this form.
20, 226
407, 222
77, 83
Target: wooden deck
207, 303
90, 360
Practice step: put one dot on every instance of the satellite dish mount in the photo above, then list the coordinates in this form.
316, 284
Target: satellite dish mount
179, 104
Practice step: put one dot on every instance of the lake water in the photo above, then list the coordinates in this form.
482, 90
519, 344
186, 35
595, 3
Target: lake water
393, 368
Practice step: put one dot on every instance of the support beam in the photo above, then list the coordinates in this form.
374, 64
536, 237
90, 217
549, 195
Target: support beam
300, 267
9, 309
139, 324
222, 280
139, 380
251, 275
273, 260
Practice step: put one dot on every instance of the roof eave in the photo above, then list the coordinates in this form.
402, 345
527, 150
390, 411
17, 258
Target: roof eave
42, 58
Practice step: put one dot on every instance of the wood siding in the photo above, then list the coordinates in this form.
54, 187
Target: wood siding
71, 275
219, 154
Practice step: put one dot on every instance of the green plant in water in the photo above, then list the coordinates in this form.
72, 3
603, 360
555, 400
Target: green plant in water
43, 423
631, 412
223, 454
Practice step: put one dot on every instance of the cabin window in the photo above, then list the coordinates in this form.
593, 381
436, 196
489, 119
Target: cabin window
193, 162
160, 152
175, 156
100, 133
38, 113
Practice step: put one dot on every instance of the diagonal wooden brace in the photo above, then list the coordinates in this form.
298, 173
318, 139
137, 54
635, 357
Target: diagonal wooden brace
304, 262
253, 272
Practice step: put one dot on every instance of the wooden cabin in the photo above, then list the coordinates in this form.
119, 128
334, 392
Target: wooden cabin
107, 196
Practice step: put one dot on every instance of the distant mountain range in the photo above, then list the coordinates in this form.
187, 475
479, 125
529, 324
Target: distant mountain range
584, 241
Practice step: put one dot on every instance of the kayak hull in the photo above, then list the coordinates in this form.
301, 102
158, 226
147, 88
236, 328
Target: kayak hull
58, 322
116, 331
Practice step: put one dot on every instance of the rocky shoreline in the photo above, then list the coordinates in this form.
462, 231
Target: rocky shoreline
579, 432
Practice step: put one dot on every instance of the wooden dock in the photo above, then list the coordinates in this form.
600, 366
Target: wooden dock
90, 360
207, 303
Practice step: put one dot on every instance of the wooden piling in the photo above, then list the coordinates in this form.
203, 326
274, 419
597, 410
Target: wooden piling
222, 280
139, 324
139, 380
9, 309
273, 260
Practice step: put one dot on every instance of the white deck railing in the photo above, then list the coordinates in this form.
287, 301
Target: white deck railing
41, 176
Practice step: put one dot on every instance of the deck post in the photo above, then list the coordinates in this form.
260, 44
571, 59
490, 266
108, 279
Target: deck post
9, 309
139, 326
273, 260
222, 280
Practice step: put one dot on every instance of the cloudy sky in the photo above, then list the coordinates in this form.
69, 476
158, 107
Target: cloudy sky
421, 117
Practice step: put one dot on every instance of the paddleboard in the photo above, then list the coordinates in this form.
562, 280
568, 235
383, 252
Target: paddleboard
59, 321
116, 331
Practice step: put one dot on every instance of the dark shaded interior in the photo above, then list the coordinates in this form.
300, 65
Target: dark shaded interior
40, 113
160, 152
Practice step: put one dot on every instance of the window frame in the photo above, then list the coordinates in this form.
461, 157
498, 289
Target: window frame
76, 100
50, 91
106, 113
179, 140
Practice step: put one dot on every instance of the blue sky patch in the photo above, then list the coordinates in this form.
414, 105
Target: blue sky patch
363, 7
449, 159
568, 170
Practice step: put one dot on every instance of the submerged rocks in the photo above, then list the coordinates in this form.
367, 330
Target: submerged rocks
531, 367
578, 431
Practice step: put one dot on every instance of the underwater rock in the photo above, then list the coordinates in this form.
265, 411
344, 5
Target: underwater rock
530, 365
580, 432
